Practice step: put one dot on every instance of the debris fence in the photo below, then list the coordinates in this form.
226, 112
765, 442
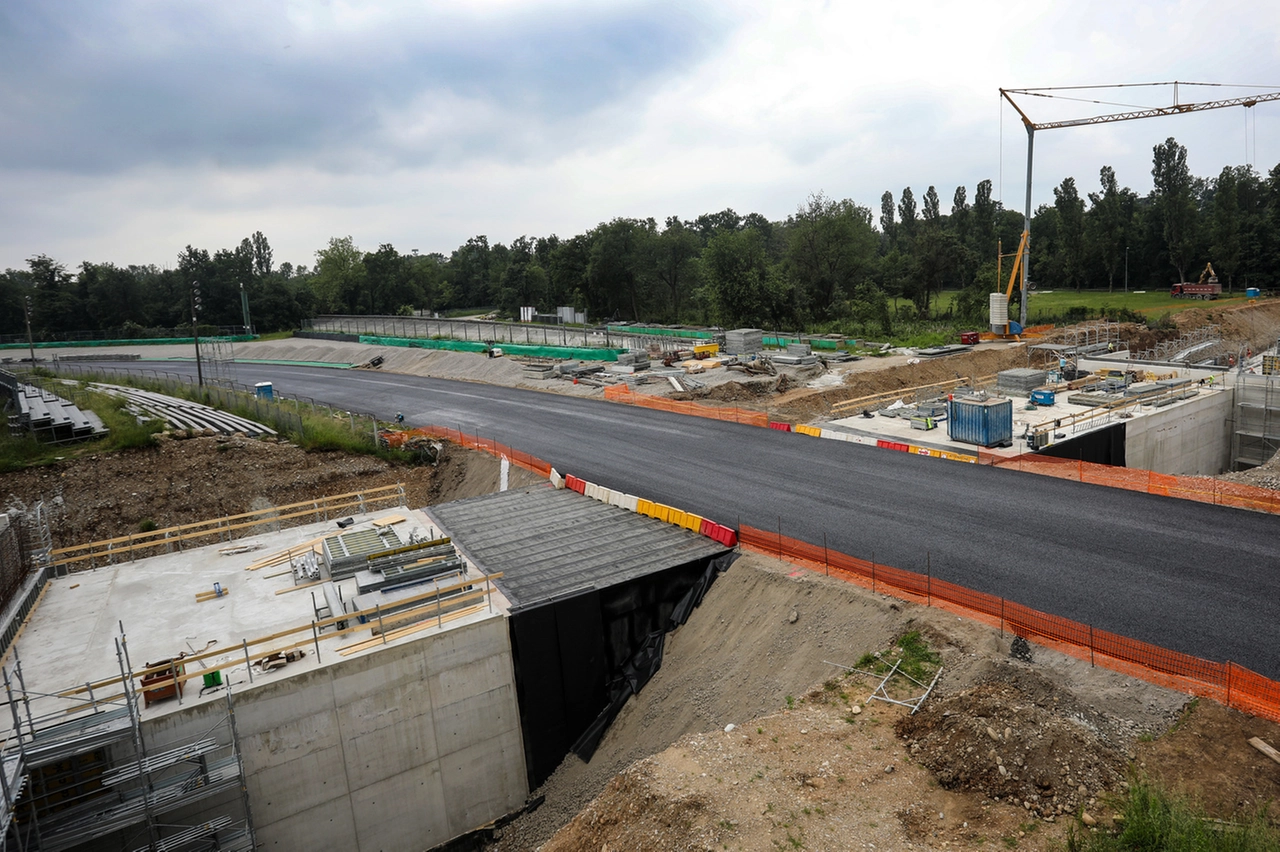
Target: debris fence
1227, 683
1202, 489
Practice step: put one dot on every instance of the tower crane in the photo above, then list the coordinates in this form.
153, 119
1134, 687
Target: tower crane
1022, 261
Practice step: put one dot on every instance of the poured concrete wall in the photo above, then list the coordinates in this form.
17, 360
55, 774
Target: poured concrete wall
1190, 438
398, 749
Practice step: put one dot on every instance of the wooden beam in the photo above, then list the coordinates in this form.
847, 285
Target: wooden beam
1264, 747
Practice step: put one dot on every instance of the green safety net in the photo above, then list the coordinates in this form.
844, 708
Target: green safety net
561, 352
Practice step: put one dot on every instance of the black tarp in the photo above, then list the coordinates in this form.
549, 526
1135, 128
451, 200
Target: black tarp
1105, 446
579, 657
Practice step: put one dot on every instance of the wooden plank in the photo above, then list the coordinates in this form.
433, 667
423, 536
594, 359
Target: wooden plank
1264, 747
281, 556
261, 516
211, 595
389, 520
348, 650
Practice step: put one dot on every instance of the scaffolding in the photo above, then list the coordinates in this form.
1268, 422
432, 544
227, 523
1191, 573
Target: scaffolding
1256, 436
218, 356
75, 770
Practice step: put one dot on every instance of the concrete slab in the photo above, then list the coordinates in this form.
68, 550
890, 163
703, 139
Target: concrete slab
71, 638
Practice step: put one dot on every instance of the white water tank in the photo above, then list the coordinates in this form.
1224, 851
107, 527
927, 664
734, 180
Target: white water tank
999, 312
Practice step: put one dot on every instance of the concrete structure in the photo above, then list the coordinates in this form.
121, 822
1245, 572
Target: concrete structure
357, 745
1189, 436
402, 748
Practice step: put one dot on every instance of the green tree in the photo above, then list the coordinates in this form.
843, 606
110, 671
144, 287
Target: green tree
339, 276
984, 221
888, 225
831, 247
1227, 226
1109, 223
907, 219
932, 211
746, 290
1175, 203
673, 257
941, 258
1070, 207
959, 220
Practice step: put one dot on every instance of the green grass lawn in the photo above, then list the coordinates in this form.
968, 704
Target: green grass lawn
1049, 305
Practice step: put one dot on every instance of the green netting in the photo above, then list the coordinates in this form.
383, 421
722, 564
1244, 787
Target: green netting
781, 342
144, 341
661, 332
561, 352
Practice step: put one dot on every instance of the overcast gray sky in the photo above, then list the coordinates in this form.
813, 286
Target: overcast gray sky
131, 128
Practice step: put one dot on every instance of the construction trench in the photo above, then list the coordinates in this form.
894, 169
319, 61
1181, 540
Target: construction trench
456, 710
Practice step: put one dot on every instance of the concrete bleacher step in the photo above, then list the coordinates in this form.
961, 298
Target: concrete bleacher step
184, 414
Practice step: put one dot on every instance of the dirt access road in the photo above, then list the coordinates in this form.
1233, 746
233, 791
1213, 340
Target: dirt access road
808, 770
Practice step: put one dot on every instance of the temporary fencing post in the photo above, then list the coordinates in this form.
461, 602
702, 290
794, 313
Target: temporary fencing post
1090, 646
779, 538
873, 571
825, 561
1002, 618
928, 578
1229, 683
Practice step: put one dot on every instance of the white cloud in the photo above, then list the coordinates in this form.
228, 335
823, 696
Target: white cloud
401, 123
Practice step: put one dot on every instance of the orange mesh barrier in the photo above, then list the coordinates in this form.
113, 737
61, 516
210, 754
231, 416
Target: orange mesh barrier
624, 394
1227, 683
1202, 489
520, 459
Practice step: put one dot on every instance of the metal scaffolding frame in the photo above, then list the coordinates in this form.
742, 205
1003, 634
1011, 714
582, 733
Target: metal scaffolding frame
76, 769
1255, 437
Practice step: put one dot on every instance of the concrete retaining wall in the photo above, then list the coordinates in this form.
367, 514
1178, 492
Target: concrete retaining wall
1190, 438
403, 748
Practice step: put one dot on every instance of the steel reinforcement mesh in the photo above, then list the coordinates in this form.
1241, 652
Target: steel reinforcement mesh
1227, 683
624, 394
13, 567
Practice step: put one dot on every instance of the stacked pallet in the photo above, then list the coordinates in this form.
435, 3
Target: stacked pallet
1020, 382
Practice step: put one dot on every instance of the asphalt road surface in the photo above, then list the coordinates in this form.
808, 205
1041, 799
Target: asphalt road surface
1196, 578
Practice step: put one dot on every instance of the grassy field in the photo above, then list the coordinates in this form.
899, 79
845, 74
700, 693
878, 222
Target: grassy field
1054, 304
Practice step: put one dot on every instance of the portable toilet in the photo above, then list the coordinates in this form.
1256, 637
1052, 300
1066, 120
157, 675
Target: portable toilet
263, 390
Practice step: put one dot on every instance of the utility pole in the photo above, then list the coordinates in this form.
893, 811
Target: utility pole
244, 306
195, 328
30, 342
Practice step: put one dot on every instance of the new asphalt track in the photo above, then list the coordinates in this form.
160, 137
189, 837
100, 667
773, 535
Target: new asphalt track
1188, 576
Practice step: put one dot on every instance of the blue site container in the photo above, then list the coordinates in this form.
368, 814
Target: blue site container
264, 390
985, 422
1043, 397
1252, 292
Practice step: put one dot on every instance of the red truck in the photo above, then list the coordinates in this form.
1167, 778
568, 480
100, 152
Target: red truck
1206, 288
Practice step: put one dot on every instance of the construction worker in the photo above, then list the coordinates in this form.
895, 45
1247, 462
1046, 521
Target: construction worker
399, 418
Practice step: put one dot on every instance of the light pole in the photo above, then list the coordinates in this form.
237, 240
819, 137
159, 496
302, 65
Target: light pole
244, 306
195, 328
30, 342
1126, 270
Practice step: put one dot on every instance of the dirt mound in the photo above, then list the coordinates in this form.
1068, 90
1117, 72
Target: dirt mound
183, 481
1016, 736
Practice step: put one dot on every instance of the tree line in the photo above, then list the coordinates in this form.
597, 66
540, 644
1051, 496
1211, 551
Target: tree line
831, 265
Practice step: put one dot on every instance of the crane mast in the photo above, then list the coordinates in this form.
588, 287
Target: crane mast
1175, 108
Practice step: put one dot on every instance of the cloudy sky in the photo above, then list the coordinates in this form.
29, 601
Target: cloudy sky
131, 128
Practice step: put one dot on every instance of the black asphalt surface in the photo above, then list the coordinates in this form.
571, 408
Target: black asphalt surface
1196, 578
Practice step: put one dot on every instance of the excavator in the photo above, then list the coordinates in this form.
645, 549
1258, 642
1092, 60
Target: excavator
1206, 288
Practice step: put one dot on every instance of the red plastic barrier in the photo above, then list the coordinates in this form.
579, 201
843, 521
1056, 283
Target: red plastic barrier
781, 427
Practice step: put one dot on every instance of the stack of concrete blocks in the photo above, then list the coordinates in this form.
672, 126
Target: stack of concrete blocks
744, 341
630, 362
1020, 382
797, 354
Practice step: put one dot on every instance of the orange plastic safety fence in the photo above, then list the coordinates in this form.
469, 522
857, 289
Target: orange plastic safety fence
520, 459
1228, 683
624, 394
1202, 489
